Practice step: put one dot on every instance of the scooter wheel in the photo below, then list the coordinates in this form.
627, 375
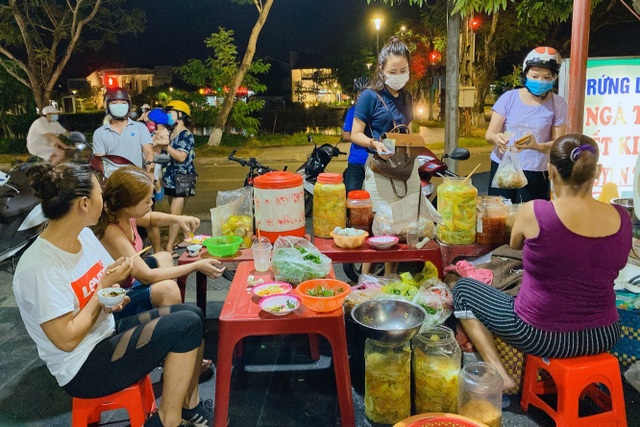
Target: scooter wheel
308, 204
229, 274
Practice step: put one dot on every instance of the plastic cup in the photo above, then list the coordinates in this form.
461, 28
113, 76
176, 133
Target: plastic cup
261, 249
194, 250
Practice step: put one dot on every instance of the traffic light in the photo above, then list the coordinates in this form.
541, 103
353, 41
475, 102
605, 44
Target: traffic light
474, 24
434, 57
109, 82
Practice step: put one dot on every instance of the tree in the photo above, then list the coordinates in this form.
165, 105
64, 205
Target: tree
15, 101
38, 37
218, 73
263, 6
353, 64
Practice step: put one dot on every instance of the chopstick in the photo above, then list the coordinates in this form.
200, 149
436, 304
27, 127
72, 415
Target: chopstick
133, 257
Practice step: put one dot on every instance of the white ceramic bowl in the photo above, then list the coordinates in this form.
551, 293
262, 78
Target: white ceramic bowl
110, 297
383, 242
279, 305
194, 250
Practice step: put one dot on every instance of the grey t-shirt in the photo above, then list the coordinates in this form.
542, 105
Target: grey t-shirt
128, 144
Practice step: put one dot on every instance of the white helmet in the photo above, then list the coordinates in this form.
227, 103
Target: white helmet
543, 57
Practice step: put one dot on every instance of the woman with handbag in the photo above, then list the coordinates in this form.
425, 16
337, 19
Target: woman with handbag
180, 174
384, 106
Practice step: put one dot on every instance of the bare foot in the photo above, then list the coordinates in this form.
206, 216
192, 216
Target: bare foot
508, 383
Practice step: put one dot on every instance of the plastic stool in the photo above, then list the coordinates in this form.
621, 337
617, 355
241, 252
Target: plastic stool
138, 399
574, 378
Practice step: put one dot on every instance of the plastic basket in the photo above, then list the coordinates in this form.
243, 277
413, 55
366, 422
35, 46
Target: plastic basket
627, 349
223, 246
438, 420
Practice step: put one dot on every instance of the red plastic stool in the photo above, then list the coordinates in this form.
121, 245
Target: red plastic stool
138, 400
574, 378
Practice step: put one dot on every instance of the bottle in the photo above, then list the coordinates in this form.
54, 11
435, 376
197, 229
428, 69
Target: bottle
457, 207
436, 364
387, 381
329, 204
491, 221
360, 210
480, 393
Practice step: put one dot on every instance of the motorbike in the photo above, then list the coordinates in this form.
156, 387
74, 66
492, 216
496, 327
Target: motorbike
315, 164
255, 167
21, 217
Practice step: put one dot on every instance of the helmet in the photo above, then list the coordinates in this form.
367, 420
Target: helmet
179, 106
360, 84
116, 94
543, 57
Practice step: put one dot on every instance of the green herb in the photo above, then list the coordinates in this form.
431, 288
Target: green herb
321, 291
290, 304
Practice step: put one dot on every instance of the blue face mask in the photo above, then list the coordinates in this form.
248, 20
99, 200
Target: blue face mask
538, 87
119, 111
54, 117
170, 120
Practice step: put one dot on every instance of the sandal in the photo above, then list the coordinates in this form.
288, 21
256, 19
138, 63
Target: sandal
181, 245
206, 370
175, 255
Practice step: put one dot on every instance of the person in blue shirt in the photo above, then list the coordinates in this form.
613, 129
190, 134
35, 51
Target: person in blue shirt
354, 174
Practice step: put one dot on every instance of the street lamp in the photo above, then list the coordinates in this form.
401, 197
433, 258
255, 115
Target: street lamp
377, 22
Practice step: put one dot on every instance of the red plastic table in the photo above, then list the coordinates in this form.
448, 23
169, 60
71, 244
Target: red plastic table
241, 317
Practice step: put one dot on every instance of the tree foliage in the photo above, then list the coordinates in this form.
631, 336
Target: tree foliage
16, 105
38, 37
218, 71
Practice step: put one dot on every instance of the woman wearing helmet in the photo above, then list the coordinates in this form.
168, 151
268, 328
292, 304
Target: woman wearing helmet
354, 173
529, 119
180, 174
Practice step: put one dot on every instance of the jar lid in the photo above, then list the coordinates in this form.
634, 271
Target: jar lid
277, 179
359, 195
330, 178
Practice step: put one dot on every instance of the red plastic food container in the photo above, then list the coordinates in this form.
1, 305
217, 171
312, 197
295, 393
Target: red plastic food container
279, 205
323, 304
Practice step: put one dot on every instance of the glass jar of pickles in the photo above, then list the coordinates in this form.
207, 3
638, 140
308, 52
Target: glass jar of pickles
491, 221
480, 393
457, 207
387, 381
436, 364
329, 204
360, 210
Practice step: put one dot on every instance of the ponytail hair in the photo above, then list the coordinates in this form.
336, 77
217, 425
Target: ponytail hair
58, 186
575, 157
394, 47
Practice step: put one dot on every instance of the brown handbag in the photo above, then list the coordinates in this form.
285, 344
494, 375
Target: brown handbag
397, 167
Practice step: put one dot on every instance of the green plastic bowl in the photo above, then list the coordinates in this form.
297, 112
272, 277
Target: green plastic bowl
223, 246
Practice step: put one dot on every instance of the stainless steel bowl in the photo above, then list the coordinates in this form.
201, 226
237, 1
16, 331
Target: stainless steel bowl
390, 321
627, 204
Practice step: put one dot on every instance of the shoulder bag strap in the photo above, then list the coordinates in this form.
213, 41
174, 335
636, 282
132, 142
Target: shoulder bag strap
385, 106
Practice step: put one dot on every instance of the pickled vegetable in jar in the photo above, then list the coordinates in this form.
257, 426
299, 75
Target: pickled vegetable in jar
436, 364
360, 210
329, 204
491, 221
480, 393
457, 207
387, 381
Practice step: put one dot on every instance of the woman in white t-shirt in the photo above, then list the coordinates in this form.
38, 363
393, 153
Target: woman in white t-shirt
89, 353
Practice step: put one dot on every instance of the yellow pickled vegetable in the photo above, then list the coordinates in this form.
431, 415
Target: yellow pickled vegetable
436, 382
329, 208
482, 411
457, 206
387, 383
239, 225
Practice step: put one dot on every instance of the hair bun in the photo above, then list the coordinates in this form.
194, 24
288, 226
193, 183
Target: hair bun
45, 180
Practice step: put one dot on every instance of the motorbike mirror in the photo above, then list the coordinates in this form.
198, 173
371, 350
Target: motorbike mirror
460, 154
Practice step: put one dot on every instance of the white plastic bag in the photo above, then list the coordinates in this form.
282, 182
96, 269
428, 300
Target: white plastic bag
509, 174
233, 214
633, 375
383, 223
295, 260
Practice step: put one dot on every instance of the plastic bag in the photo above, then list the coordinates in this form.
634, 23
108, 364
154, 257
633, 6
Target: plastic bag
633, 375
295, 260
437, 299
233, 214
383, 224
509, 174
367, 288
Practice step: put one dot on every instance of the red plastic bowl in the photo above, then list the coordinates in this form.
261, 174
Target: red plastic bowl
323, 304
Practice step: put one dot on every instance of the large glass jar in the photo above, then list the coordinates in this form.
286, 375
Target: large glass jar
512, 213
457, 206
387, 381
329, 204
480, 393
360, 210
491, 221
436, 363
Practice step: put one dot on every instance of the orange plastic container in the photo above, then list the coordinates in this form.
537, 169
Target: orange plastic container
323, 304
278, 199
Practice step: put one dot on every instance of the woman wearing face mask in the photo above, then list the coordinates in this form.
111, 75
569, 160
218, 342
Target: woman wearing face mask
385, 104
529, 118
180, 174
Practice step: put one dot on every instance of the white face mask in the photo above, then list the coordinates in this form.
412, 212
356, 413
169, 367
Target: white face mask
119, 111
396, 81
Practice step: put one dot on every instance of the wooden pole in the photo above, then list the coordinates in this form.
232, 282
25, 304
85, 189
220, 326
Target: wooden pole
578, 64
452, 84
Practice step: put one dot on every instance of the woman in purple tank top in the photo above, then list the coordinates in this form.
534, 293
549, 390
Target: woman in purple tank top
566, 305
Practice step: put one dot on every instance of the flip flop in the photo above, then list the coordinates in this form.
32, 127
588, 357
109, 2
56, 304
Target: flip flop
181, 245
506, 401
175, 255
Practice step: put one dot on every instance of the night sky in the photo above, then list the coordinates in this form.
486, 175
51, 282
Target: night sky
176, 29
